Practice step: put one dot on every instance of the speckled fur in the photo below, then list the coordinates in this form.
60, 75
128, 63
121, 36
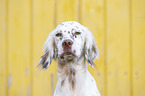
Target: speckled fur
73, 77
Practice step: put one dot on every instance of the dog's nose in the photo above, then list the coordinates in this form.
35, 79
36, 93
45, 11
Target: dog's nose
67, 43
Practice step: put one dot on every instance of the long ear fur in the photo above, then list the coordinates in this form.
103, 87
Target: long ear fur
91, 50
49, 52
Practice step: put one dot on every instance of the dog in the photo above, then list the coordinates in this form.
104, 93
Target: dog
71, 45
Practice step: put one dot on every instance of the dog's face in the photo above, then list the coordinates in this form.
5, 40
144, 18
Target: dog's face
68, 41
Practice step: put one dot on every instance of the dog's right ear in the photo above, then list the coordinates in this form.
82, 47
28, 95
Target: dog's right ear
49, 52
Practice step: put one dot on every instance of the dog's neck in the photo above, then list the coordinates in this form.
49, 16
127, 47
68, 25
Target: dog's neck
69, 70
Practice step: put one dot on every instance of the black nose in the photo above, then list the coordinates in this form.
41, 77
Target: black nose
67, 43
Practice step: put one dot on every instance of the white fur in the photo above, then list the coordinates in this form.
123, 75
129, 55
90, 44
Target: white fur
83, 47
85, 83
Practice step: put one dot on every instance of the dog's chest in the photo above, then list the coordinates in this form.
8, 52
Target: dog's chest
85, 86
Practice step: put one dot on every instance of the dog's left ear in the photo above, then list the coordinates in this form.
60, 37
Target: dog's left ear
91, 50
49, 52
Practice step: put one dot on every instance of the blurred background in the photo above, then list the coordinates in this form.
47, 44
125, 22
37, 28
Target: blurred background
117, 25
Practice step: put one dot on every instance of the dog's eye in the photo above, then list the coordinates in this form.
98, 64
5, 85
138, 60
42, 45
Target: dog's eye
58, 34
77, 33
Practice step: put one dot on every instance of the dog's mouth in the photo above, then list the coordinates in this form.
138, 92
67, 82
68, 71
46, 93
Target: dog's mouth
67, 55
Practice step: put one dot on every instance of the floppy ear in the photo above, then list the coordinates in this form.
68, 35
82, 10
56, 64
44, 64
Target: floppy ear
91, 50
49, 52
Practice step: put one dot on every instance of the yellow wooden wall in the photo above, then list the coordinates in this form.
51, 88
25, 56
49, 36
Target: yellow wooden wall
117, 25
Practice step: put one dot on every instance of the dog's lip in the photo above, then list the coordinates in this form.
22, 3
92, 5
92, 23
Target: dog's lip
68, 54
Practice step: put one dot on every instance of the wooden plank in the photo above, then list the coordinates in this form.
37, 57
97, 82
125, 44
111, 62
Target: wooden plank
118, 48
43, 20
19, 48
138, 47
92, 16
67, 11
3, 47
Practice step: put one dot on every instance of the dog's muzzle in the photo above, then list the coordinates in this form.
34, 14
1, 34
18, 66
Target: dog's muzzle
67, 50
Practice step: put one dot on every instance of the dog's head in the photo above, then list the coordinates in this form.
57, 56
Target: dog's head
69, 41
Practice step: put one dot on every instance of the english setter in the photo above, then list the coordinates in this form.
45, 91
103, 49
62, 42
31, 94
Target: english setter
71, 44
